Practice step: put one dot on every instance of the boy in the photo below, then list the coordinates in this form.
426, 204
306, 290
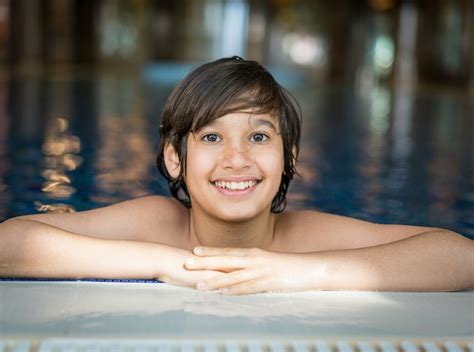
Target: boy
229, 143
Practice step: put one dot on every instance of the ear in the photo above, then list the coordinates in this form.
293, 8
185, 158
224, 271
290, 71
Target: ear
172, 161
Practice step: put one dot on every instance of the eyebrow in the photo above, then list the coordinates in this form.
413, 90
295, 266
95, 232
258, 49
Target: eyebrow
263, 122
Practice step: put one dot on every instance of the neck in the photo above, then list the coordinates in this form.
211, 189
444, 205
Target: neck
206, 231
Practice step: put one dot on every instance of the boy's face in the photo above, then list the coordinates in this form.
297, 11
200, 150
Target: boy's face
234, 166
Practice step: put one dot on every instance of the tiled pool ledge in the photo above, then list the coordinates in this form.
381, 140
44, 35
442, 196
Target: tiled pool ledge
73, 309
33, 279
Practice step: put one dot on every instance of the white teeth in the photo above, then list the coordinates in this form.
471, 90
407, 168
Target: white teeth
235, 185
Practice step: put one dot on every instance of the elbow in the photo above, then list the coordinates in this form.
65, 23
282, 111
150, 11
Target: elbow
18, 246
462, 249
15, 226
452, 256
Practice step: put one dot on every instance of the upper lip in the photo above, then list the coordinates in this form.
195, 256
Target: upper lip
236, 179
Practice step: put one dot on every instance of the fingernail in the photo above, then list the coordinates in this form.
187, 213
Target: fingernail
201, 285
190, 262
197, 250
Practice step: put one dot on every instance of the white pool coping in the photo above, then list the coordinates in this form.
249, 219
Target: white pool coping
137, 310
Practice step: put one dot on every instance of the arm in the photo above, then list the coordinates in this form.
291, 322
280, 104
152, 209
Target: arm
431, 261
136, 219
34, 249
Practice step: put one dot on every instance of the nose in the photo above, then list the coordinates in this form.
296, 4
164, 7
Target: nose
236, 156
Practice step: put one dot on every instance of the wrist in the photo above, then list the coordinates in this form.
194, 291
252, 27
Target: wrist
159, 261
167, 261
322, 272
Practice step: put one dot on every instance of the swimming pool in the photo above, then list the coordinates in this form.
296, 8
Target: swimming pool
76, 142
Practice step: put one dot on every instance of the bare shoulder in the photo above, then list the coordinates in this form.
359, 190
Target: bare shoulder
150, 218
309, 230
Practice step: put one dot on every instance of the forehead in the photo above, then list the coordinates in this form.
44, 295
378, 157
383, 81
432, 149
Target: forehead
254, 120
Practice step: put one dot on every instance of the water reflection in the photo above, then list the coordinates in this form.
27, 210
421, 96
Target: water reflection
125, 154
60, 149
380, 106
393, 156
448, 139
4, 162
405, 67
61, 154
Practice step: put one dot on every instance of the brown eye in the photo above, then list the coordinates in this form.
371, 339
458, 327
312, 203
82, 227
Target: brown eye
259, 137
211, 138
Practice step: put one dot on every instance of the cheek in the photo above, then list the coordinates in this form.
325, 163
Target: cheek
199, 162
272, 161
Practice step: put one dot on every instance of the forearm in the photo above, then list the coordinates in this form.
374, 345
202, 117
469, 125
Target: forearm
434, 261
33, 249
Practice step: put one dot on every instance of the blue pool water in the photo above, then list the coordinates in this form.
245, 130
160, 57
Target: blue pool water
71, 142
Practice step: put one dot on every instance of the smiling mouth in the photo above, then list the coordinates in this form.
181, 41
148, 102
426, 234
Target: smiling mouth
235, 186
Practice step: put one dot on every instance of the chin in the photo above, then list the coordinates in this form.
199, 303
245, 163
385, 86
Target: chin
236, 214
235, 219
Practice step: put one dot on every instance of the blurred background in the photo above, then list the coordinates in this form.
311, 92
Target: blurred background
386, 88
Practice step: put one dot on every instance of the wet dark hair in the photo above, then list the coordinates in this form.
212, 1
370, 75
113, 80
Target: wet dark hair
219, 88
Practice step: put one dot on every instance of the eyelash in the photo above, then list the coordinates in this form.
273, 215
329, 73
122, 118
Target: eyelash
206, 136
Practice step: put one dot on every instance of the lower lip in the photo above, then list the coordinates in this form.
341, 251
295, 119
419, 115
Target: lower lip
237, 192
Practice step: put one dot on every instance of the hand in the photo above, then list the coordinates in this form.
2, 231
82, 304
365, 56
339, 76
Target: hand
255, 270
172, 270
